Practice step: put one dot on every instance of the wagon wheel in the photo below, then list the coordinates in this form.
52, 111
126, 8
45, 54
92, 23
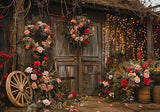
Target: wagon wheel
18, 88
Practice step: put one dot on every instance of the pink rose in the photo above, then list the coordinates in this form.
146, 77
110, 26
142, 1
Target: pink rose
70, 96
26, 32
50, 87
58, 80
81, 25
33, 76
73, 21
43, 87
146, 71
73, 35
146, 75
39, 22
34, 85
45, 73
131, 74
138, 67
105, 84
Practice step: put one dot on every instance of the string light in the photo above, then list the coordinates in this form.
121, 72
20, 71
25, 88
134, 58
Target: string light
125, 36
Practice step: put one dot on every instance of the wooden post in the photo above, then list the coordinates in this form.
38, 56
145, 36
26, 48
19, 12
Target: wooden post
149, 37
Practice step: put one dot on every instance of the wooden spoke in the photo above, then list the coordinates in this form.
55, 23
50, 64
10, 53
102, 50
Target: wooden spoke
22, 99
13, 83
13, 86
23, 81
15, 91
27, 88
27, 92
15, 80
21, 78
18, 95
25, 98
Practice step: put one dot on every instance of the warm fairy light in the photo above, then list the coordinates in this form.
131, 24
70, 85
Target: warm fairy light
126, 36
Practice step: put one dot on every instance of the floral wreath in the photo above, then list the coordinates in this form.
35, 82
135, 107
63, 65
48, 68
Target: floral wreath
79, 31
45, 32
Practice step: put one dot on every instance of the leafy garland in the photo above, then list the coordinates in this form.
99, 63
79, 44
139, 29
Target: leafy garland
79, 31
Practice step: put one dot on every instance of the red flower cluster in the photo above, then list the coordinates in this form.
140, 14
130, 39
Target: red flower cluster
124, 82
139, 55
59, 96
144, 65
129, 69
45, 58
74, 94
146, 81
37, 64
5, 77
2, 95
6, 57
86, 31
85, 41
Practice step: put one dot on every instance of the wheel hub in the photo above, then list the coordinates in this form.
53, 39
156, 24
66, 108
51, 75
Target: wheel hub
21, 89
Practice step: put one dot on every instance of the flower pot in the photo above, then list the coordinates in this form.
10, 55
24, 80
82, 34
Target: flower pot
156, 94
144, 95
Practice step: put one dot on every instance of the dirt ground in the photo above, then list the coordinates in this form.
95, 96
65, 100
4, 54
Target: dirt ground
96, 104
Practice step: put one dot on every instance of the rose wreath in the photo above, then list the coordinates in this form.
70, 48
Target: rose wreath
79, 31
45, 32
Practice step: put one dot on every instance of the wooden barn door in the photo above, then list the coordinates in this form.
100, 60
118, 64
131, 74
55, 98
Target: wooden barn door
79, 68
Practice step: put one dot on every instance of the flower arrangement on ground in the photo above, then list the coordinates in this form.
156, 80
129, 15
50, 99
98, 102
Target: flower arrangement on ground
79, 31
105, 86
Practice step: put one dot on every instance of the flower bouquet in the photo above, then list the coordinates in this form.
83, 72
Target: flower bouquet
105, 86
79, 31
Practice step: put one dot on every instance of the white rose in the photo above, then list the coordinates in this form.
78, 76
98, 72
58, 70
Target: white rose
45, 73
76, 39
110, 77
105, 84
111, 94
40, 49
33, 76
39, 22
81, 38
46, 102
28, 70
137, 79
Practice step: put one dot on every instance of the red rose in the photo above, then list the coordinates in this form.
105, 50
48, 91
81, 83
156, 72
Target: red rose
156, 29
121, 90
109, 81
5, 77
124, 82
74, 94
59, 96
105, 91
45, 58
85, 41
149, 62
146, 81
1, 66
136, 71
37, 64
51, 34
108, 92
2, 95
31, 47
1, 16
129, 69
139, 55
88, 26
33, 24
144, 65
86, 31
